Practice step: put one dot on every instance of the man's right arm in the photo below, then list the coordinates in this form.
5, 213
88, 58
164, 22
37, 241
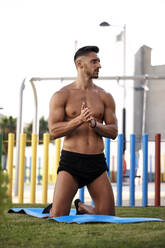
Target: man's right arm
58, 127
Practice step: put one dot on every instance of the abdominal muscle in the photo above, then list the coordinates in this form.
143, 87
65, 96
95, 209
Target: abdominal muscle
84, 140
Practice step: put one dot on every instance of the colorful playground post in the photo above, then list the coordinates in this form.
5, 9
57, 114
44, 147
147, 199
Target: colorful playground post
107, 154
33, 169
157, 169
21, 168
81, 194
10, 162
132, 169
45, 167
57, 155
133, 162
145, 171
119, 169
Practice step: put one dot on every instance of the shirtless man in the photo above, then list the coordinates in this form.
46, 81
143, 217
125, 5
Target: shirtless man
83, 113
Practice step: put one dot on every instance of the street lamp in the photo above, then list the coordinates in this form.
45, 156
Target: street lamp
121, 37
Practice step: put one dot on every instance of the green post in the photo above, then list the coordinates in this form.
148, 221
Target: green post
1, 144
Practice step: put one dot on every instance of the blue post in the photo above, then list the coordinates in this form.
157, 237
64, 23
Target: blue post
81, 191
150, 175
145, 171
92, 203
119, 169
107, 154
132, 170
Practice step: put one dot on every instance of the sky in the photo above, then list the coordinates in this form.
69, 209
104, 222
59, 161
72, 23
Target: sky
37, 38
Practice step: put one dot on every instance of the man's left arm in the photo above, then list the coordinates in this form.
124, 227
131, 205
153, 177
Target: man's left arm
110, 128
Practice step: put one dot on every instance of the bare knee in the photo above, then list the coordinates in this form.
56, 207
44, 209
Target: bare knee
105, 210
57, 212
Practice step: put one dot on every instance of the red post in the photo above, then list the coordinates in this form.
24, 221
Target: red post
157, 169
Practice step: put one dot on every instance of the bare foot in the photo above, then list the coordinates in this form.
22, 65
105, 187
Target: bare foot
51, 213
83, 209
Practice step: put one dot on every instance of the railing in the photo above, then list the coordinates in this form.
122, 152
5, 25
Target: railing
32, 174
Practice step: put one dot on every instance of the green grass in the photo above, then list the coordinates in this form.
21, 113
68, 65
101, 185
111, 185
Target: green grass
19, 230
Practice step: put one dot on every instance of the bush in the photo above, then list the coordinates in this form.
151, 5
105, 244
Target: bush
4, 198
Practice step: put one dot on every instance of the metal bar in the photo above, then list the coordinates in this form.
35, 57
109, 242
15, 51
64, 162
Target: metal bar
137, 77
35, 124
144, 107
19, 131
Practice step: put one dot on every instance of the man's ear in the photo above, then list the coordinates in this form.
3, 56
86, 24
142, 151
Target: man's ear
79, 63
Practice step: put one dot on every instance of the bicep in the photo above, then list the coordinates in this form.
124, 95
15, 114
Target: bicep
110, 117
110, 111
56, 110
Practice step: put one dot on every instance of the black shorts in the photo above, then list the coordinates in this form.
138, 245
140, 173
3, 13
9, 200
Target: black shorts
85, 168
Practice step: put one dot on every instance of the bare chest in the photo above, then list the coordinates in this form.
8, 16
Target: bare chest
92, 101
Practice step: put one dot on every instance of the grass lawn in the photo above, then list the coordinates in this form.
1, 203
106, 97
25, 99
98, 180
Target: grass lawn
19, 230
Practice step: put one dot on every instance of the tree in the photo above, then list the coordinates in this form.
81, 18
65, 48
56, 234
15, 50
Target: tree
4, 198
7, 125
43, 128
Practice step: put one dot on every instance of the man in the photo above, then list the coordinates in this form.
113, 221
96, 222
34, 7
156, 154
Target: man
83, 113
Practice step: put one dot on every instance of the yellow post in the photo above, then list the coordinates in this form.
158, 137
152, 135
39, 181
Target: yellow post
10, 163
21, 168
33, 169
57, 155
45, 168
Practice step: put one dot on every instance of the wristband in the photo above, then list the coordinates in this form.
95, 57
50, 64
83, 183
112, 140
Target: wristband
93, 125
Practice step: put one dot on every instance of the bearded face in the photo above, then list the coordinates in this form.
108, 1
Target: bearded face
90, 65
92, 73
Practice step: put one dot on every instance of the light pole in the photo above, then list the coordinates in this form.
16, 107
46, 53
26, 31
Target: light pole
121, 37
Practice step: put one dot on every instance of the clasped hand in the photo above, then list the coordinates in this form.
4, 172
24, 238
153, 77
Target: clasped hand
86, 114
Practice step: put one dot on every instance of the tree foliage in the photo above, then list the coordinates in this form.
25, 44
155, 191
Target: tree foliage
7, 125
43, 128
4, 198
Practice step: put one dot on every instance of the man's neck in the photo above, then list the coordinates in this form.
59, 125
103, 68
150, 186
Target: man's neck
83, 82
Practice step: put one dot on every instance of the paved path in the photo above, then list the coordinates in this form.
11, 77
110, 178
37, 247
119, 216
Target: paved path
125, 194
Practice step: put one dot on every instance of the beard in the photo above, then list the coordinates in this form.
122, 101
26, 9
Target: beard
92, 75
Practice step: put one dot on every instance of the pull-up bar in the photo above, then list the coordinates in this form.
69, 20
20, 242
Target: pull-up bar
117, 78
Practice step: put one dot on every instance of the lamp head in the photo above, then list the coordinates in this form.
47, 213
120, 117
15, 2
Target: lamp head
104, 24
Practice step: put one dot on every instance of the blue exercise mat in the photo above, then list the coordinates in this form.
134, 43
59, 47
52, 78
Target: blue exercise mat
85, 218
